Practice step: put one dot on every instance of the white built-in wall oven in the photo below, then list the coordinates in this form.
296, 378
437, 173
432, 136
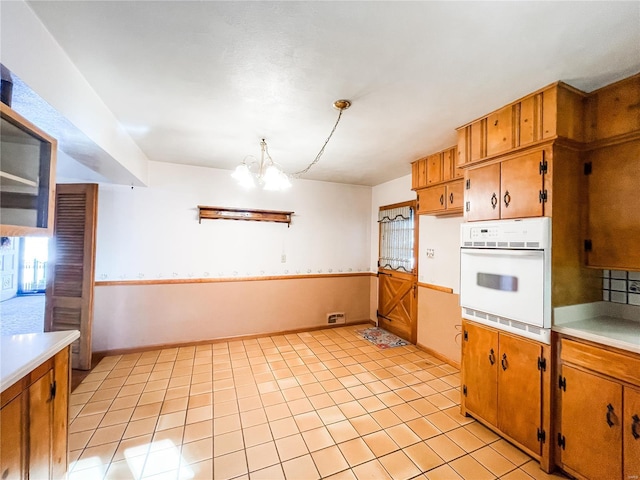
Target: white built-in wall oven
505, 275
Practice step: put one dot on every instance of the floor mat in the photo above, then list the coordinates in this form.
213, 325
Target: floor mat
381, 338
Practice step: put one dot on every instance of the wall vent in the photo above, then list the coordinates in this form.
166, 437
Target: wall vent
335, 318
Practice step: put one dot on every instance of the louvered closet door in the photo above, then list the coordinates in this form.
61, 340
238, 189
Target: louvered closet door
71, 269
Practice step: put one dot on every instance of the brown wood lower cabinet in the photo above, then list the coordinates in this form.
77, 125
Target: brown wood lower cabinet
502, 386
598, 411
34, 422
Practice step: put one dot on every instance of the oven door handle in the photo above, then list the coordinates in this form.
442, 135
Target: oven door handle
499, 252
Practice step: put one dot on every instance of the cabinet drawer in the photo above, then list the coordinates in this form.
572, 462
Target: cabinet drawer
625, 367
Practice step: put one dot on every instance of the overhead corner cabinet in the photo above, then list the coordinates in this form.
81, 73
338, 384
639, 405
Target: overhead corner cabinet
27, 176
438, 183
612, 169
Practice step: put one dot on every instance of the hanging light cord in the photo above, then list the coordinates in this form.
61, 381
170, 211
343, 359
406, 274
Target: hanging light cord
317, 159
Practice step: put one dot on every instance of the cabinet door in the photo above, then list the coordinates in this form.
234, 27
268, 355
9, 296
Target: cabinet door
631, 433
480, 371
463, 137
528, 125
500, 131
613, 206
477, 140
419, 174
432, 199
519, 390
521, 184
482, 196
455, 195
593, 447
11, 440
617, 109
434, 168
40, 426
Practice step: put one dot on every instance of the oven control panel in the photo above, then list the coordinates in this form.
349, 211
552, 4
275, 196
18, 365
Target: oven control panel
528, 233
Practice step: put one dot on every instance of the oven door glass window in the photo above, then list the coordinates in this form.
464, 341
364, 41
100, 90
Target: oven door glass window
507, 283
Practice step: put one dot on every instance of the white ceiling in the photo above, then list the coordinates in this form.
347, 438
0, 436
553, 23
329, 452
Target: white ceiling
201, 82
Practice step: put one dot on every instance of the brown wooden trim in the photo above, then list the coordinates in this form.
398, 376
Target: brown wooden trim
439, 356
435, 287
408, 203
611, 141
109, 283
123, 351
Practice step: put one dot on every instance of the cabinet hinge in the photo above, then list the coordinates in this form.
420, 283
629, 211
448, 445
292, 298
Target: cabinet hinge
562, 443
542, 435
542, 196
562, 383
53, 390
587, 245
543, 167
467, 184
468, 206
542, 364
588, 168
465, 335
464, 390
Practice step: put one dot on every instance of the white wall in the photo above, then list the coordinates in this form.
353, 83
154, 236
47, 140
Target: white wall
442, 235
153, 233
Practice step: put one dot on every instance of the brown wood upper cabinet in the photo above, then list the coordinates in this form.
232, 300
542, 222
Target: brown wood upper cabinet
438, 182
513, 188
614, 110
555, 111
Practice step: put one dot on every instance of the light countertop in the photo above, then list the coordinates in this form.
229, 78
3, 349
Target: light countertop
611, 324
20, 354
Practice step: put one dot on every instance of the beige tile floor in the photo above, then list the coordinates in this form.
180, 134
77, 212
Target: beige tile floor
322, 404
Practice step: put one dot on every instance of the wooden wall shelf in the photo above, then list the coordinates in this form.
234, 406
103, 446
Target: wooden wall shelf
223, 213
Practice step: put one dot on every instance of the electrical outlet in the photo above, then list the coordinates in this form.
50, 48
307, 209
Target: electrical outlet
430, 252
283, 258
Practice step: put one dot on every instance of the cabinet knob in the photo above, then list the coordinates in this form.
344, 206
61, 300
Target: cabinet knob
441, 199
492, 357
451, 198
494, 201
503, 362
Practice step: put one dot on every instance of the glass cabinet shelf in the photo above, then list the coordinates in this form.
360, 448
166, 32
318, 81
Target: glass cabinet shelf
27, 176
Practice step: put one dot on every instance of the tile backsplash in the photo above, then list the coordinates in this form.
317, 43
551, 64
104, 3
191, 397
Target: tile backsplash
621, 287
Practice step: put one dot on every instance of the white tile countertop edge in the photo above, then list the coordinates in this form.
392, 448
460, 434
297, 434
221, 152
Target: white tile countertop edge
607, 323
20, 354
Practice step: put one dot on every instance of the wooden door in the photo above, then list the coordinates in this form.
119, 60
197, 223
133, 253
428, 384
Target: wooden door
482, 195
12, 454
397, 305
40, 426
69, 294
528, 121
631, 433
520, 390
480, 371
613, 206
520, 187
593, 448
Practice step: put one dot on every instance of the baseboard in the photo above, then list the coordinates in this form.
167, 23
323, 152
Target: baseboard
148, 348
439, 356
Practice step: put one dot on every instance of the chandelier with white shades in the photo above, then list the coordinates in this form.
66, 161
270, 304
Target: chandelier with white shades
268, 173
